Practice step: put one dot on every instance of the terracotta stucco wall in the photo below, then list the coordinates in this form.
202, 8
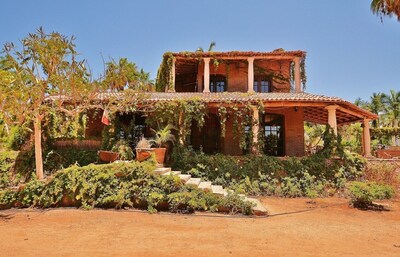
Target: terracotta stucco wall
236, 74
294, 133
294, 130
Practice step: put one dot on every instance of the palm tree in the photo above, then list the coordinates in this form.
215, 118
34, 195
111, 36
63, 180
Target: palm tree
386, 7
120, 74
376, 106
361, 103
143, 81
210, 47
392, 106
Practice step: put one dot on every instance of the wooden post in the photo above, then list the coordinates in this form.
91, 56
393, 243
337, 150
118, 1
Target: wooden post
206, 88
297, 77
250, 75
37, 126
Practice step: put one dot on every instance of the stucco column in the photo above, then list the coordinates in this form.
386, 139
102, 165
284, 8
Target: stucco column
366, 138
255, 129
332, 117
297, 76
250, 74
206, 87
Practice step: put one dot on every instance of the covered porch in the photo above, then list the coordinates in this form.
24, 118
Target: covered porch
273, 120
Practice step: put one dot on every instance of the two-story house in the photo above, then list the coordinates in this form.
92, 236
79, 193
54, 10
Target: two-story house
271, 81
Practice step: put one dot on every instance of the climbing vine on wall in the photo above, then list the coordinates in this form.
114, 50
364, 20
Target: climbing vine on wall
58, 125
243, 121
303, 75
179, 113
164, 80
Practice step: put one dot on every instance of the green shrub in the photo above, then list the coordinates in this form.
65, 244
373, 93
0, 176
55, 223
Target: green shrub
189, 199
116, 185
364, 193
7, 198
260, 174
7, 162
236, 204
58, 159
17, 138
30, 193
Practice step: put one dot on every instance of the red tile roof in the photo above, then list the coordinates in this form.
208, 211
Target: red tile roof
235, 54
302, 99
306, 100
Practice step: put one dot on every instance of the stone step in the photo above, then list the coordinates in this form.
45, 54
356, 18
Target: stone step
162, 170
205, 185
174, 173
193, 181
258, 209
184, 177
219, 190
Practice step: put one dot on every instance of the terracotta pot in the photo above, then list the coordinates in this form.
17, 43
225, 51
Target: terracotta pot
160, 154
143, 153
108, 156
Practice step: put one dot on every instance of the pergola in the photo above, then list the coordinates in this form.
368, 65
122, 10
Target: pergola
186, 62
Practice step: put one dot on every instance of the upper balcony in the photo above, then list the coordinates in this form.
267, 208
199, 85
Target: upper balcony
276, 71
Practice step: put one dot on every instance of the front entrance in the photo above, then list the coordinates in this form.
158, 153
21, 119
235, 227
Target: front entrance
208, 138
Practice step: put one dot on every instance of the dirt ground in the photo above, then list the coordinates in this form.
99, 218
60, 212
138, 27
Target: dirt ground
295, 228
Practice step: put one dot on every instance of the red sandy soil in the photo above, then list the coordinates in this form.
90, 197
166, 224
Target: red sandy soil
296, 227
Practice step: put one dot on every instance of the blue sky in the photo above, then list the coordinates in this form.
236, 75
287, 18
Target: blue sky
350, 52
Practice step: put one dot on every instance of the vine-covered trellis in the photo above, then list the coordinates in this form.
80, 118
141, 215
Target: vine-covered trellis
182, 113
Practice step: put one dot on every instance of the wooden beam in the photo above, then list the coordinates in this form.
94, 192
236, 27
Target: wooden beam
342, 109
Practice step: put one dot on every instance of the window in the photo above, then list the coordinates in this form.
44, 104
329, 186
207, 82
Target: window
273, 126
217, 83
262, 84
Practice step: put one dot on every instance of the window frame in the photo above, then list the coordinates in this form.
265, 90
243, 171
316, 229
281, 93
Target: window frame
259, 79
214, 79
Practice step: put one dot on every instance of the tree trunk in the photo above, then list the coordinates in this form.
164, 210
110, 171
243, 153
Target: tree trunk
38, 147
395, 138
181, 129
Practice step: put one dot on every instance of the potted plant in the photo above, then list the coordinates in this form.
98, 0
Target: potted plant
162, 137
125, 152
143, 149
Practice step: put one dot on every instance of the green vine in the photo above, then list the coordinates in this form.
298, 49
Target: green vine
303, 75
223, 116
164, 80
61, 126
179, 113
276, 77
385, 132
